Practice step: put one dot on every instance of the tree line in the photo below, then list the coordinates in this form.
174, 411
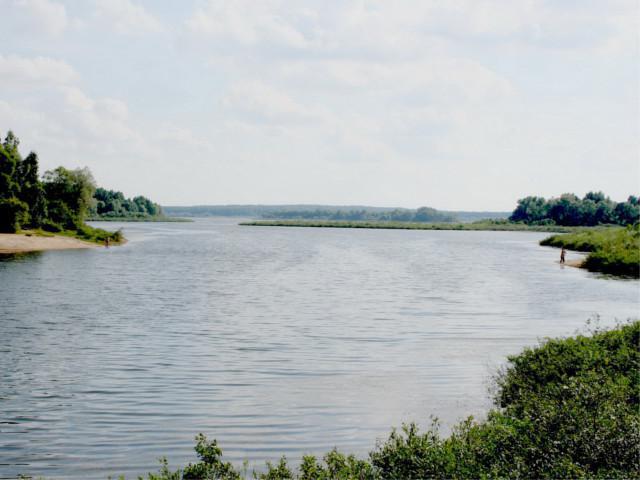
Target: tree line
422, 214
570, 210
113, 204
62, 199
57, 201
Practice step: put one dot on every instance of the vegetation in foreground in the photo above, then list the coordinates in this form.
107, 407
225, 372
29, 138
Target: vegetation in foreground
612, 250
493, 225
568, 408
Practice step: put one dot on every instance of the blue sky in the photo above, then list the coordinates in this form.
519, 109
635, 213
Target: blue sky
451, 104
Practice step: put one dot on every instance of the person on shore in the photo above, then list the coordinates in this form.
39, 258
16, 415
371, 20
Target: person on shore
562, 255
106, 242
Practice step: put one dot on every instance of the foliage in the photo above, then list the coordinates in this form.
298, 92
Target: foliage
594, 209
58, 202
568, 408
13, 214
112, 204
422, 214
69, 194
497, 225
613, 250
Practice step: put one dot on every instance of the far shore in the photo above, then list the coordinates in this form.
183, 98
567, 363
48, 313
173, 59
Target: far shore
484, 225
21, 243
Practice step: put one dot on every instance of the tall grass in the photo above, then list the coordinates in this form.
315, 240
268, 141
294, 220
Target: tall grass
83, 232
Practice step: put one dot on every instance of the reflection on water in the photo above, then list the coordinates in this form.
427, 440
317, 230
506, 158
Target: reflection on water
275, 341
17, 257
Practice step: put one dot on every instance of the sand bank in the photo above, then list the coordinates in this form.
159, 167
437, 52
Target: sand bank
19, 243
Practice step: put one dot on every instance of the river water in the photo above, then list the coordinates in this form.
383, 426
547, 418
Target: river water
272, 340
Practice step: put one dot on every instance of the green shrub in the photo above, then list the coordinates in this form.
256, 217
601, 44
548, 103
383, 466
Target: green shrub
51, 226
13, 215
612, 250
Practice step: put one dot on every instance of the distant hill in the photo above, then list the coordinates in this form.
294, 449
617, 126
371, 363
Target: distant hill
321, 211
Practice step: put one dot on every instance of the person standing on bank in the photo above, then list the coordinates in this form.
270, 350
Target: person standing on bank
562, 255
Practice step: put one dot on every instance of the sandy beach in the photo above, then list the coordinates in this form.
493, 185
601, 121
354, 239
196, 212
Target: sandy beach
19, 243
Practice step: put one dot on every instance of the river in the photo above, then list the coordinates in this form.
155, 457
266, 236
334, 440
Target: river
272, 340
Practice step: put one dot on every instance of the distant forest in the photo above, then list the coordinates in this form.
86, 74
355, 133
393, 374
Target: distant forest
422, 214
570, 210
325, 212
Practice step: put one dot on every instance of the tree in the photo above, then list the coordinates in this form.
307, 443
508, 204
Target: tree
530, 210
9, 160
628, 213
69, 194
31, 189
13, 214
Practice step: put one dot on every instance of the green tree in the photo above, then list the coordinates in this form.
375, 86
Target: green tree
9, 161
530, 210
70, 195
628, 213
13, 214
31, 189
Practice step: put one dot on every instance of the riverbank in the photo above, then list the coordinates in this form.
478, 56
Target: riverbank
159, 219
22, 243
488, 225
614, 251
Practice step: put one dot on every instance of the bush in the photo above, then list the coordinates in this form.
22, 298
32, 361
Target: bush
613, 250
51, 226
98, 235
13, 215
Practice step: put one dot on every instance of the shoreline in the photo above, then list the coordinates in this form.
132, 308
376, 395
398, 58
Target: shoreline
475, 226
21, 243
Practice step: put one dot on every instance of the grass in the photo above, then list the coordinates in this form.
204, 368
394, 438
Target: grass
568, 408
160, 218
612, 250
85, 232
492, 225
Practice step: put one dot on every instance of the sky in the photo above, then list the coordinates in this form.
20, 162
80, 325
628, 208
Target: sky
456, 104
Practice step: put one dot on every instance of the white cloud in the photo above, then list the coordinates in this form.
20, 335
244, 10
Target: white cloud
246, 22
44, 15
266, 103
25, 71
126, 17
404, 91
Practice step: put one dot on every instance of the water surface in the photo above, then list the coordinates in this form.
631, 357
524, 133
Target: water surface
272, 340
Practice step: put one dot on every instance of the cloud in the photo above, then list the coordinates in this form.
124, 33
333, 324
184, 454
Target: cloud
245, 22
42, 99
25, 71
439, 78
126, 17
266, 103
43, 15
382, 29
